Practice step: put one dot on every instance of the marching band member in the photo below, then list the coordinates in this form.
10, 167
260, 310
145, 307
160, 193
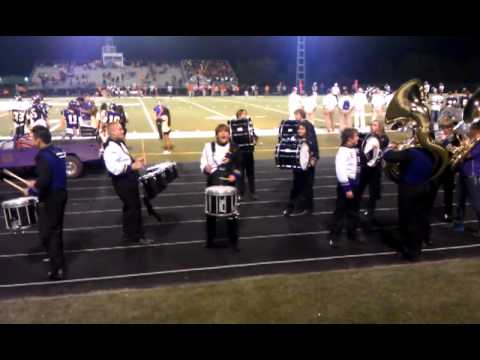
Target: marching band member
123, 170
294, 103
378, 103
247, 163
359, 102
347, 168
303, 180
330, 103
345, 104
371, 176
163, 120
447, 139
436, 105
310, 105
416, 168
51, 189
468, 186
336, 90
221, 161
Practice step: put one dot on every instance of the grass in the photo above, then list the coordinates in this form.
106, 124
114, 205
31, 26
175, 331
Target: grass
436, 292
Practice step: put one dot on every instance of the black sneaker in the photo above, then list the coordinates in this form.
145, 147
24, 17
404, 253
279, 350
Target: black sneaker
235, 249
298, 212
211, 246
57, 275
253, 197
287, 212
145, 241
447, 218
333, 243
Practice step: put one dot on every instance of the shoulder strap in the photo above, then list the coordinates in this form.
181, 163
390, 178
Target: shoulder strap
212, 144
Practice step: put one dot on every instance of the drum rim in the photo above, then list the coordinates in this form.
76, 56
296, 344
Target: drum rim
19, 202
231, 189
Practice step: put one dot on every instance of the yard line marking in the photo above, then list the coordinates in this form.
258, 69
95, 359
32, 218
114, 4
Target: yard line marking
191, 242
230, 266
191, 221
205, 108
147, 115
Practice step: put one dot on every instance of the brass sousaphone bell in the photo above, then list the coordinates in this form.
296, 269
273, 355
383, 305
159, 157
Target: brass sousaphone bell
408, 107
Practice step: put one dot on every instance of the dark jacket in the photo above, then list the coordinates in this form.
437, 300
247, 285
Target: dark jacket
416, 165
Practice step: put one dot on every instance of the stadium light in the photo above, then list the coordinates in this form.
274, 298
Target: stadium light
26, 78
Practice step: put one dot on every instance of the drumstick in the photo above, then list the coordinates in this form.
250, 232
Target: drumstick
8, 172
11, 183
223, 178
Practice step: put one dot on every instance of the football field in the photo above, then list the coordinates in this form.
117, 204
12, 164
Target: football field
193, 122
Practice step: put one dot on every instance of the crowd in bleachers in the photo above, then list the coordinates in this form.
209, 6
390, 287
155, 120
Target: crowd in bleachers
208, 71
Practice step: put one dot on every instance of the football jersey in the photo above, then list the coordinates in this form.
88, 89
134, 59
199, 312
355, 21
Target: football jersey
72, 118
18, 117
37, 113
112, 116
87, 106
345, 103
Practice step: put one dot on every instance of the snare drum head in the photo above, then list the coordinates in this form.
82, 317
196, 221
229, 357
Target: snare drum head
220, 190
19, 202
304, 156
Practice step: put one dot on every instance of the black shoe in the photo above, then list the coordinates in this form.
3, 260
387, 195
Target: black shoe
287, 212
299, 212
145, 241
333, 243
429, 242
309, 212
253, 197
57, 275
235, 249
447, 218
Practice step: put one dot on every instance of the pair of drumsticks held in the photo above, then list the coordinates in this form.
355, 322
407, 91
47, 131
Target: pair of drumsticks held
15, 176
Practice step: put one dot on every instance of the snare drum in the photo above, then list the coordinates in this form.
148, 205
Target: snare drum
242, 132
20, 213
287, 129
221, 201
158, 177
291, 154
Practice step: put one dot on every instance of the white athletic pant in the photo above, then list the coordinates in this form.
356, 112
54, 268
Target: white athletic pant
359, 119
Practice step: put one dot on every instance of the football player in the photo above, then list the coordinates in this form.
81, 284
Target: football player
19, 118
71, 119
37, 114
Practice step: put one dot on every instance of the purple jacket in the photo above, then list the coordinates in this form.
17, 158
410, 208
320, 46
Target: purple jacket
471, 166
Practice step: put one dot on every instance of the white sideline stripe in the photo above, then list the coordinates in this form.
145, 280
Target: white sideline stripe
257, 202
147, 115
192, 242
231, 266
191, 221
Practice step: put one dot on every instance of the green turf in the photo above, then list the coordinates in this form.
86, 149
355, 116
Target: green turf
438, 292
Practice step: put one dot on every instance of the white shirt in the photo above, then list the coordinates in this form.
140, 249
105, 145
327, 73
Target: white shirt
310, 103
335, 90
116, 158
346, 164
294, 102
359, 101
214, 160
378, 100
437, 101
330, 102
345, 103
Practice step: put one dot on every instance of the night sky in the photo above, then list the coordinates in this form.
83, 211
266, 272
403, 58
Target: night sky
349, 56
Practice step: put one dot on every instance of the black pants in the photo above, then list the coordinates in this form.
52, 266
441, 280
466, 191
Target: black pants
447, 181
50, 225
126, 188
345, 210
371, 177
247, 169
413, 215
301, 195
232, 229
